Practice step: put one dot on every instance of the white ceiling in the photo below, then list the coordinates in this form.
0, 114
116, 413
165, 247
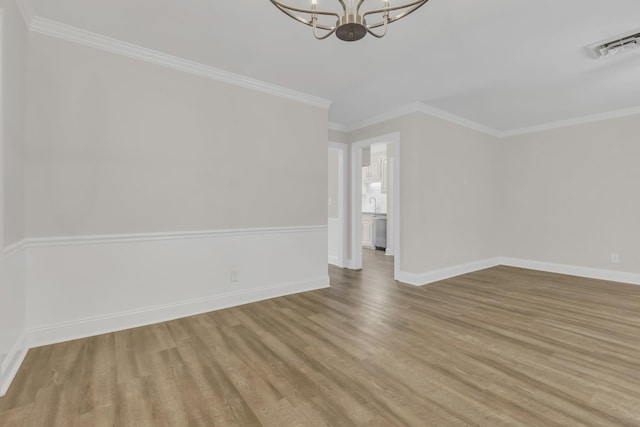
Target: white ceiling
505, 64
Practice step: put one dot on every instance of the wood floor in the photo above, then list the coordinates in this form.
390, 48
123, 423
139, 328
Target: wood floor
502, 346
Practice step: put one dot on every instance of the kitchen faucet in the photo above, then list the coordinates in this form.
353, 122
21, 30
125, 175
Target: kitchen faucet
375, 204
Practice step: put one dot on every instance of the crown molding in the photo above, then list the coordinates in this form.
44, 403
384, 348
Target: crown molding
419, 107
77, 35
445, 115
338, 127
374, 120
572, 122
26, 10
416, 107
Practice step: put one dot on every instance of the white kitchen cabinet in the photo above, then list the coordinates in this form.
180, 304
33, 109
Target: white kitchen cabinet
376, 171
367, 231
375, 167
366, 174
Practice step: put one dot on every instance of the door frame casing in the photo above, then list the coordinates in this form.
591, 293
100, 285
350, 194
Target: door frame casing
342, 202
392, 139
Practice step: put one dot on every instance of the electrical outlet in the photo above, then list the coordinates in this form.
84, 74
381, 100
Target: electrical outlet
615, 258
235, 276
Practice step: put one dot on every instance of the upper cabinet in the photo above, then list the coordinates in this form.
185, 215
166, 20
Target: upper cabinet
377, 170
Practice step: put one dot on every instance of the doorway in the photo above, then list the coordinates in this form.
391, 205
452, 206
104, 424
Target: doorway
358, 151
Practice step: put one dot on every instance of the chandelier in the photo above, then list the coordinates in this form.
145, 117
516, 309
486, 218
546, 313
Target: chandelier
350, 21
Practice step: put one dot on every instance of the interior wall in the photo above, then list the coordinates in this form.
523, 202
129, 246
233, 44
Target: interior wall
13, 59
153, 194
338, 136
119, 146
14, 111
448, 190
333, 198
571, 195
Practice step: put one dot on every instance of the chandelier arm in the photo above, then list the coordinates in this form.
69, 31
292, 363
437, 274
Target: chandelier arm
302, 20
344, 6
393, 18
307, 22
414, 5
358, 6
384, 32
315, 34
315, 26
288, 9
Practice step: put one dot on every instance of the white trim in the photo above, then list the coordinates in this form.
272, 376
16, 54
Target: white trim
341, 260
12, 363
391, 238
572, 122
26, 10
334, 232
355, 263
77, 35
452, 118
446, 273
92, 326
379, 118
573, 270
419, 279
416, 107
444, 115
144, 237
339, 127
14, 248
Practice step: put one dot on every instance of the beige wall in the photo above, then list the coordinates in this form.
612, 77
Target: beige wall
338, 136
13, 43
448, 191
14, 108
117, 145
333, 182
571, 195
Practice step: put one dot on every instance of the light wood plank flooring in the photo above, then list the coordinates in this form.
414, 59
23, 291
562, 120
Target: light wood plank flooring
498, 347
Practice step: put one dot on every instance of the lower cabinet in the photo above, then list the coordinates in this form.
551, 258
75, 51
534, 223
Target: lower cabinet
367, 230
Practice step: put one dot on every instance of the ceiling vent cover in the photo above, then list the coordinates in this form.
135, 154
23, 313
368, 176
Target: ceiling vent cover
618, 44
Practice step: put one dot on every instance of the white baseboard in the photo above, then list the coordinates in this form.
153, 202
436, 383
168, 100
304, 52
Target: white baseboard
11, 363
97, 325
334, 231
79, 287
333, 260
421, 279
573, 270
350, 265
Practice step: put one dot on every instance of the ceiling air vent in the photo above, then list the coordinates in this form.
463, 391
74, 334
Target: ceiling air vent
618, 44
